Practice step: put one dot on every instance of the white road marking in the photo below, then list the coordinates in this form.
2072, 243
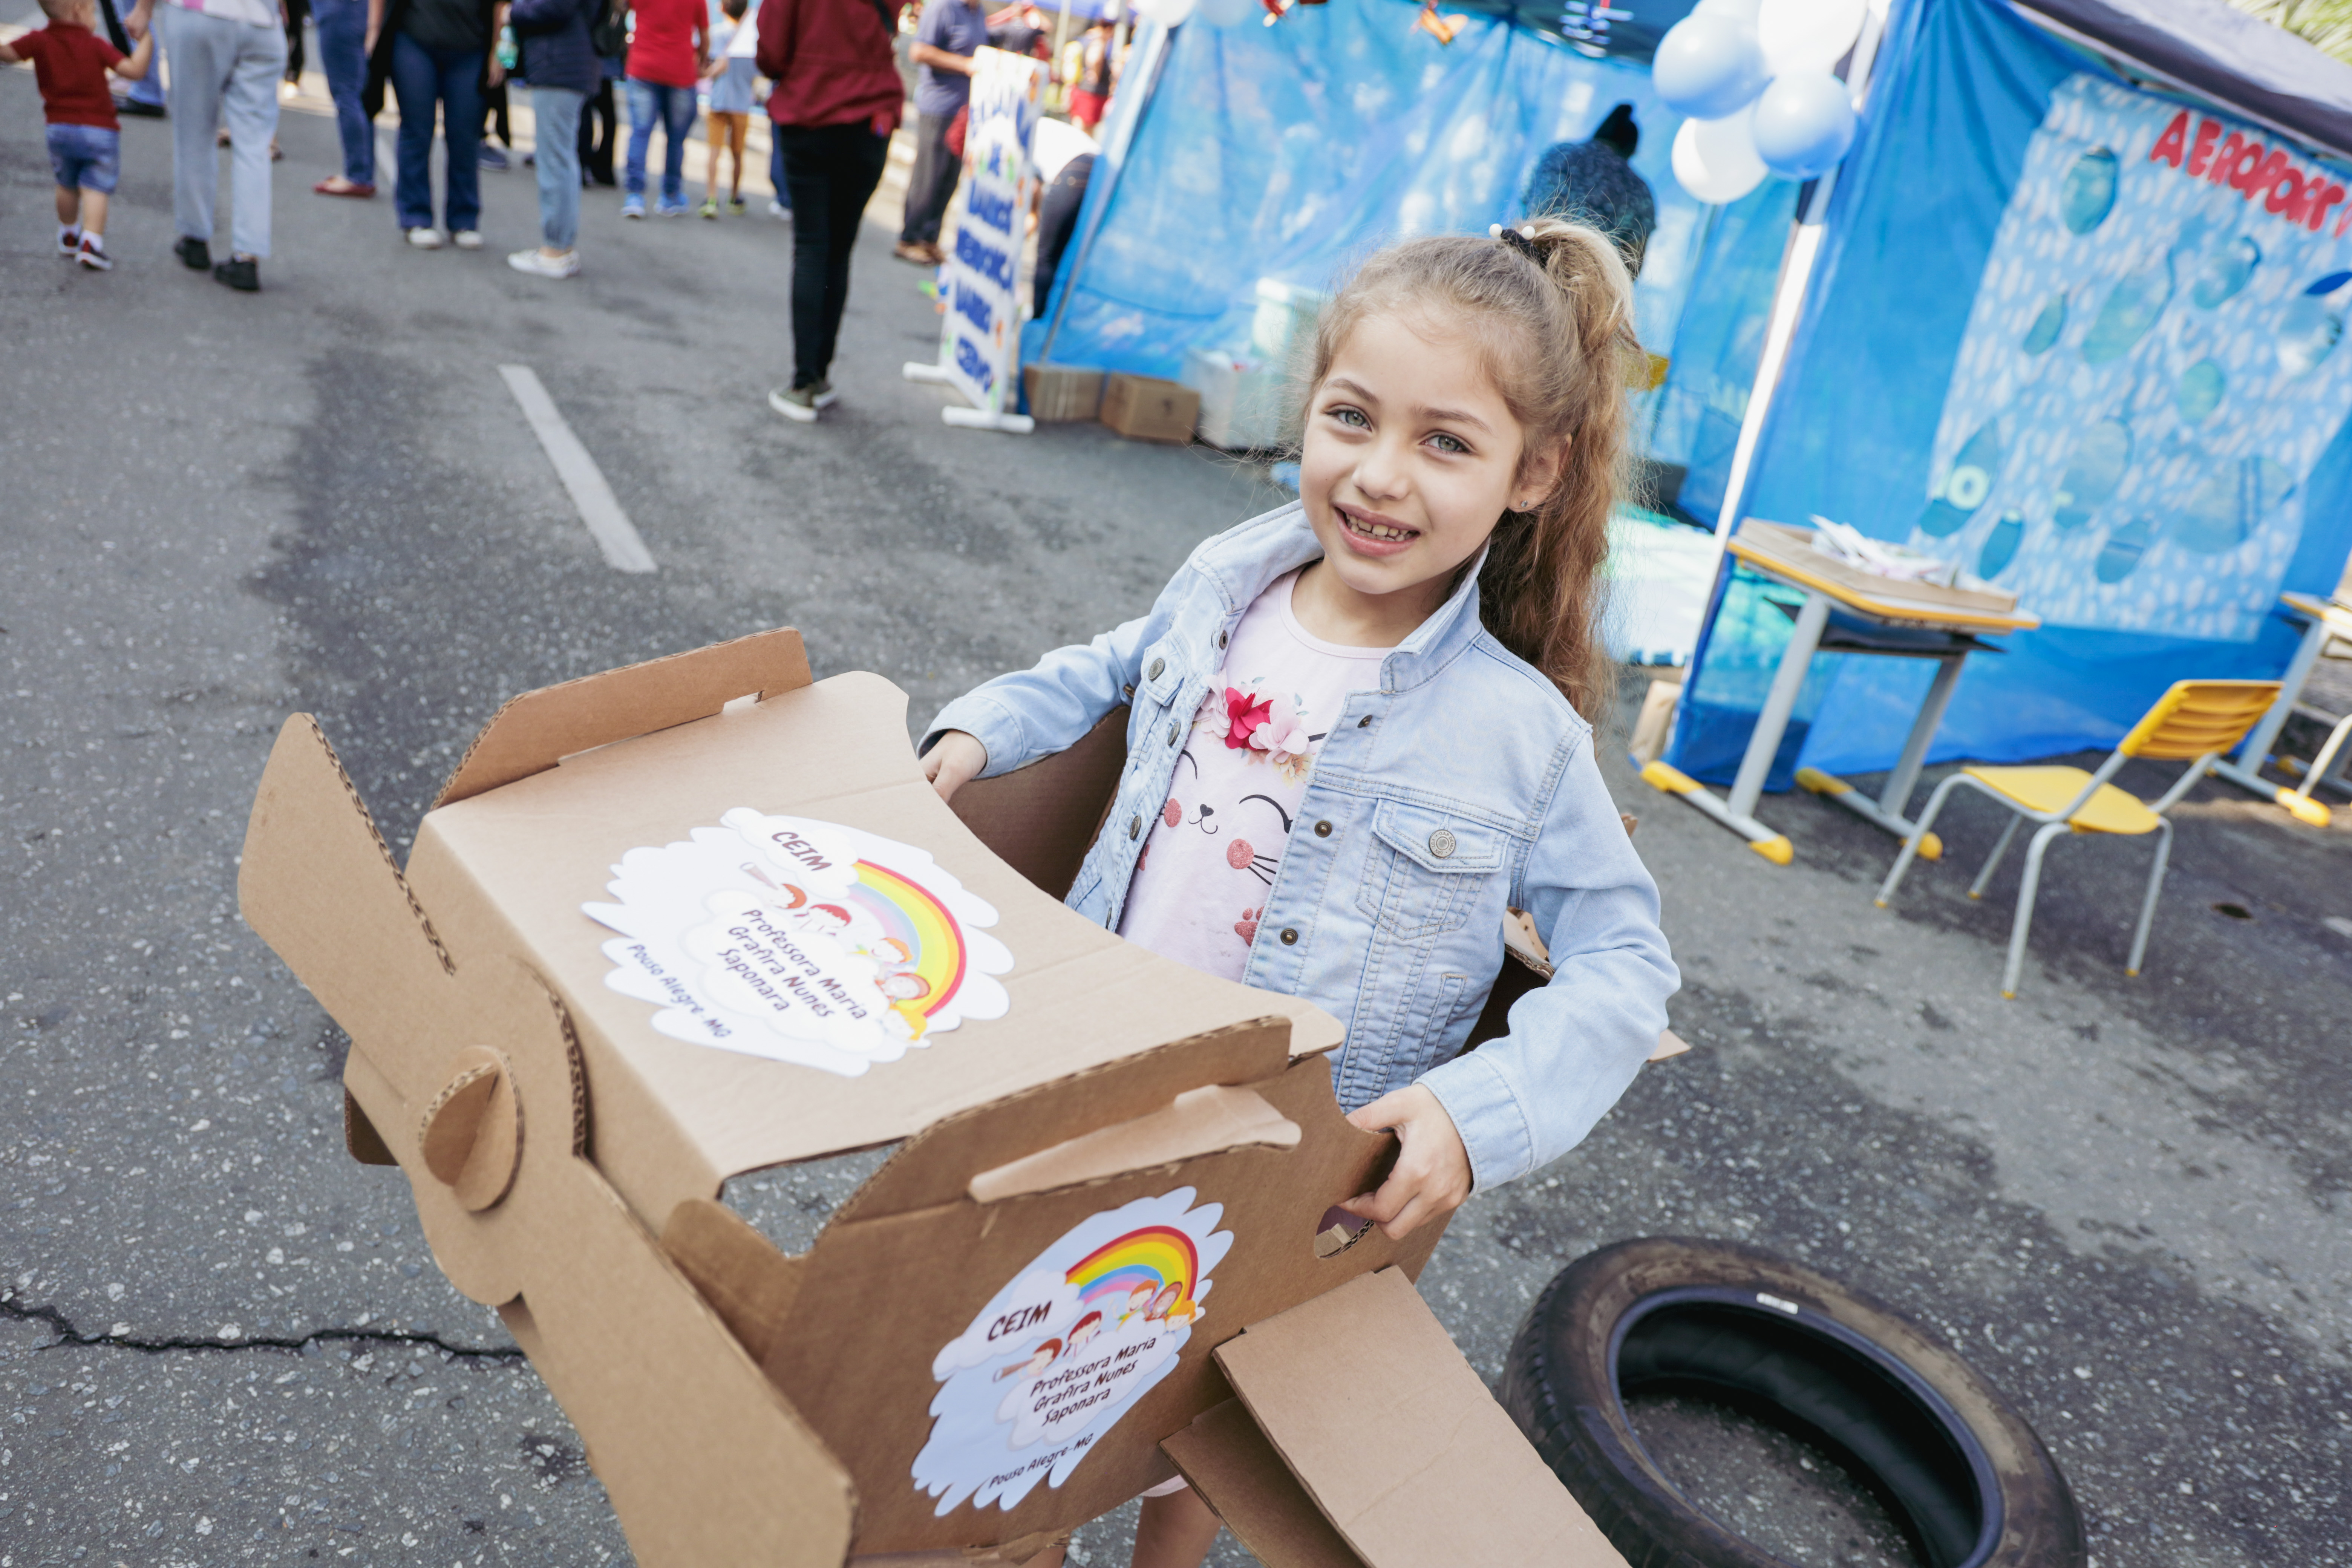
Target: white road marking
616, 535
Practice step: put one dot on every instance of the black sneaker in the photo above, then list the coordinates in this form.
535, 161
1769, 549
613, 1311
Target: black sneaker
194, 252
242, 273
138, 109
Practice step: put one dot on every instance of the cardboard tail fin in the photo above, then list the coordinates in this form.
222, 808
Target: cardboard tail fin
321, 887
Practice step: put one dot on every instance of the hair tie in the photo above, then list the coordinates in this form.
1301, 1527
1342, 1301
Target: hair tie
1518, 240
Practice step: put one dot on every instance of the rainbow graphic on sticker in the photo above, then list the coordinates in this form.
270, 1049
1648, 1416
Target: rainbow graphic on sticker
801, 941
1147, 1274
1042, 1376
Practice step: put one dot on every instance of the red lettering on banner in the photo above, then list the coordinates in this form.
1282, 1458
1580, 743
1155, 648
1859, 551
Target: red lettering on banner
2286, 196
2319, 193
2251, 183
2173, 146
2246, 167
2200, 151
2217, 172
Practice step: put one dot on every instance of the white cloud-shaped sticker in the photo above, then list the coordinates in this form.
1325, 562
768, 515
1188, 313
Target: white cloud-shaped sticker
801, 941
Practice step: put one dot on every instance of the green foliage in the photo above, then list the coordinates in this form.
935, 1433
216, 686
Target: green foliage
2325, 23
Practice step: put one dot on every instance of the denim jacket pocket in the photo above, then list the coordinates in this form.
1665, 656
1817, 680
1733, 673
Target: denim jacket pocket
1422, 875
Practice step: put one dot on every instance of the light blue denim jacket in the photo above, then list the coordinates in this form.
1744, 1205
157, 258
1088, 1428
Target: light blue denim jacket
1377, 915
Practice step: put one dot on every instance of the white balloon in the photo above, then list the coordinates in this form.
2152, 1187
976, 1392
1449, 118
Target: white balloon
1167, 13
1807, 35
1737, 10
1715, 160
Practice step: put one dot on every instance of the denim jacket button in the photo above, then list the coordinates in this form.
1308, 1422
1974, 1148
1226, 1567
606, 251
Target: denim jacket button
1441, 844
1157, 666
1289, 936
1220, 639
1322, 830
1174, 730
1135, 828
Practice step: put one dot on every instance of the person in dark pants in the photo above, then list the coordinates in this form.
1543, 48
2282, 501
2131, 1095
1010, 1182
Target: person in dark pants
952, 31
342, 51
1057, 215
438, 55
833, 107
599, 124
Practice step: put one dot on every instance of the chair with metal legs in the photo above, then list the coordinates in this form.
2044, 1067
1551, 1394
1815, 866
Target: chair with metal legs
2197, 719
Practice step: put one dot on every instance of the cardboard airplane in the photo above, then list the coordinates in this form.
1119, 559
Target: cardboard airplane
702, 915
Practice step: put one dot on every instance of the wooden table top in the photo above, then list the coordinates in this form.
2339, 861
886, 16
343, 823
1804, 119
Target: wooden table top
1789, 555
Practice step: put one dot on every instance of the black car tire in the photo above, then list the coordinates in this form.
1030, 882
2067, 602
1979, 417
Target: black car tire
1958, 1468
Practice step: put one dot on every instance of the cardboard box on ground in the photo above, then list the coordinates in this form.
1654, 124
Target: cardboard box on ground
1100, 1226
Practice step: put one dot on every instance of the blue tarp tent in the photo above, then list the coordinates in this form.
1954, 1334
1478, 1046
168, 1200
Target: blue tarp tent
2077, 332
1287, 153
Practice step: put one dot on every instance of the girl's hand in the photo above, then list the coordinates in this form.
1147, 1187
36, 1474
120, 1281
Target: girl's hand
1432, 1175
954, 761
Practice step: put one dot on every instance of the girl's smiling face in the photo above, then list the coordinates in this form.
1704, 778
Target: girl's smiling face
1408, 459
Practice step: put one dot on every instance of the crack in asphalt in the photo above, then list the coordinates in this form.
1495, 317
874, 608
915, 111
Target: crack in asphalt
11, 1307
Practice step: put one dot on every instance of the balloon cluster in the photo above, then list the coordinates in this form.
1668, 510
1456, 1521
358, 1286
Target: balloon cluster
1755, 79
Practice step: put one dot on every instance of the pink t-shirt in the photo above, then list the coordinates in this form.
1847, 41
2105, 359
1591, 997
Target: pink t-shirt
1203, 877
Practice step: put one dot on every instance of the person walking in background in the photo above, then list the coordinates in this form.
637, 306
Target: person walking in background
832, 110
730, 75
436, 53
599, 119
667, 54
1593, 182
1098, 73
223, 57
342, 54
951, 32
559, 63
69, 63
1064, 162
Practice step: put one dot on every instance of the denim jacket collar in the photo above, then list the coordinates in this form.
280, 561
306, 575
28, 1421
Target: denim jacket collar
1244, 561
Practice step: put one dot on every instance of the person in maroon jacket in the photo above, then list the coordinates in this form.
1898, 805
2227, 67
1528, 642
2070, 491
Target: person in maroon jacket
835, 104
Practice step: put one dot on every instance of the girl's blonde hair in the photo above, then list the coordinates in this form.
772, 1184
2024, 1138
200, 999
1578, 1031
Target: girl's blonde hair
1555, 322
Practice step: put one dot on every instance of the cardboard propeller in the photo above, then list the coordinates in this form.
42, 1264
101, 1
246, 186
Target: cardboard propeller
1104, 1174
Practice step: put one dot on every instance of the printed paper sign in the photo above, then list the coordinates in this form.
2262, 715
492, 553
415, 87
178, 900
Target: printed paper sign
2150, 373
981, 344
1057, 1356
801, 941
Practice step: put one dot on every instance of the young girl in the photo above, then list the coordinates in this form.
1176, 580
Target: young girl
1356, 734
729, 74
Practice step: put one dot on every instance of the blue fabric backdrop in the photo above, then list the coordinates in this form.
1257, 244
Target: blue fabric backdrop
2045, 342
1289, 152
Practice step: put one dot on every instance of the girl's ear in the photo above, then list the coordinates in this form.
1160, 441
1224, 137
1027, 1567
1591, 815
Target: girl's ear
1540, 476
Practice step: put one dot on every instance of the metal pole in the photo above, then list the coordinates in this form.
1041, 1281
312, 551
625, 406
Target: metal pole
1773, 722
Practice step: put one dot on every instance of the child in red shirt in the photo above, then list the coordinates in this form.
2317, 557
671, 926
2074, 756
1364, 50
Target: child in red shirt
69, 63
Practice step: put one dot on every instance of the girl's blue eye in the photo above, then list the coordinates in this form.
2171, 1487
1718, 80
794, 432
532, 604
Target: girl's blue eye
1448, 443
1354, 416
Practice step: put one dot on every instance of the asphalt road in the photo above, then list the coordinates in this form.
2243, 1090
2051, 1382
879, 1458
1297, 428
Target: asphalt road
221, 1342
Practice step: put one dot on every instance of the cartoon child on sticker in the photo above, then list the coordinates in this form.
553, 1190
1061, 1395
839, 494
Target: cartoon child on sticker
1039, 1360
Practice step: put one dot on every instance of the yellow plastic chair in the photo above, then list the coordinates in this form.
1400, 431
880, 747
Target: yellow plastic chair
2197, 719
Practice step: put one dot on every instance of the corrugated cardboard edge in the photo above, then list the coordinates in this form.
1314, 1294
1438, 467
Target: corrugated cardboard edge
1039, 819
534, 731
1449, 1479
1238, 1473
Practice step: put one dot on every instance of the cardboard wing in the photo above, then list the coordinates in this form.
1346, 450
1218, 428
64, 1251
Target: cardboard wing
704, 916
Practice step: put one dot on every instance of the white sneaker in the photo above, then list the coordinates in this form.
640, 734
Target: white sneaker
466, 239
426, 239
542, 266
778, 209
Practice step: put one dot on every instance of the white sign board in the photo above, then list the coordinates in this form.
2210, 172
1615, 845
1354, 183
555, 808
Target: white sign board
980, 347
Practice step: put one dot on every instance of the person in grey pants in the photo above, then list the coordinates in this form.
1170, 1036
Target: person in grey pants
223, 58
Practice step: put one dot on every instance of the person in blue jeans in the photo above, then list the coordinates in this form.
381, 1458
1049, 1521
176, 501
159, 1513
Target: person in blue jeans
342, 54
668, 52
437, 56
559, 63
